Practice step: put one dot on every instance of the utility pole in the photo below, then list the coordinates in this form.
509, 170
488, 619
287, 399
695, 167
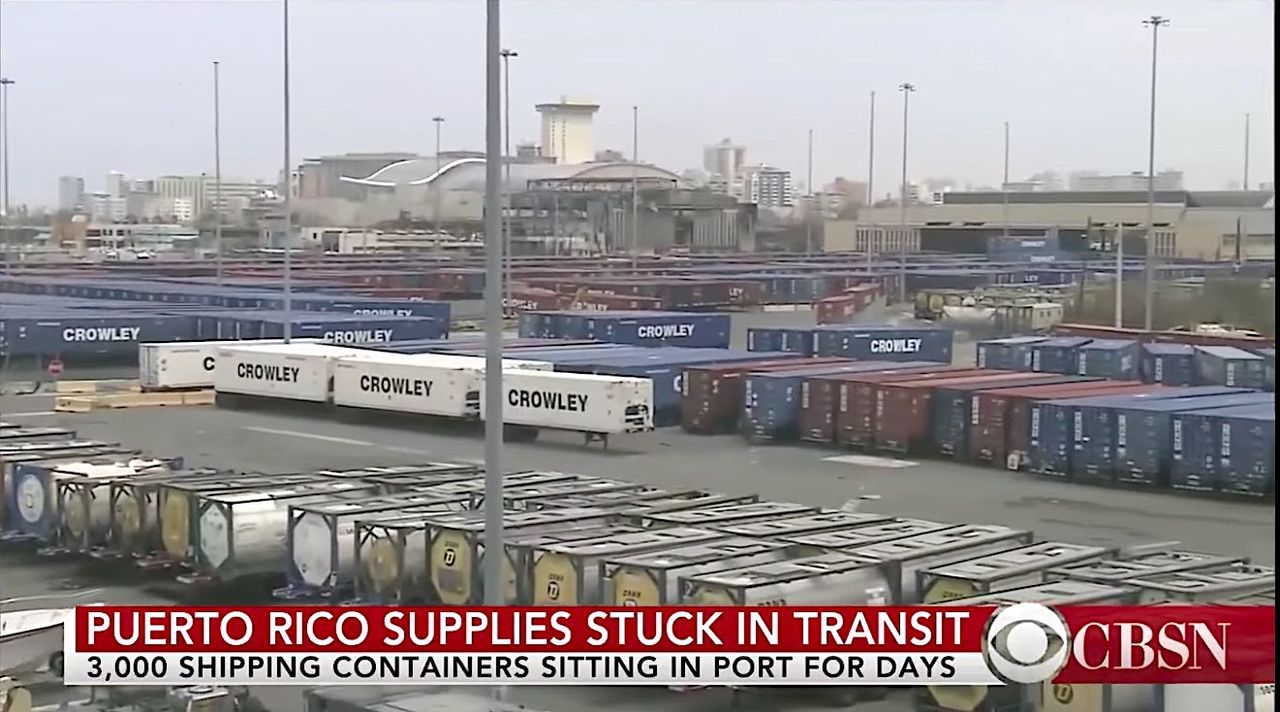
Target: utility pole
906, 88
217, 175
506, 55
1245, 182
808, 219
1004, 186
435, 189
871, 175
1155, 22
635, 186
288, 194
5, 83
493, 578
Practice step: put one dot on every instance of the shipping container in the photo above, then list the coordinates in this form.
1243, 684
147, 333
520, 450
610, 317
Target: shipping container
856, 410
422, 384
391, 558
578, 402
1009, 354
855, 538
632, 505
904, 409
716, 517
302, 372
999, 418
243, 534
822, 521
1114, 572
1143, 438
820, 399
570, 573
185, 364
1200, 586
653, 578
712, 396
320, 538
456, 550
1229, 366
1057, 355
1004, 570
68, 333
85, 508
884, 343
47, 459
953, 409
534, 497
1225, 450
1269, 368
827, 579
33, 491
661, 329
520, 550
772, 399
1170, 364
1110, 358
790, 339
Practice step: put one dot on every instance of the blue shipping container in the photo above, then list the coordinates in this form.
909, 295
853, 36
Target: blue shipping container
1269, 365
662, 329
1144, 433
1225, 450
1011, 354
790, 340
1056, 355
93, 335
1170, 364
951, 408
1229, 366
886, 343
342, 329
1110, 358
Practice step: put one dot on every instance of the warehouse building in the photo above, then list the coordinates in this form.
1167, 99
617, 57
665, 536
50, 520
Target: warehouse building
1192, 224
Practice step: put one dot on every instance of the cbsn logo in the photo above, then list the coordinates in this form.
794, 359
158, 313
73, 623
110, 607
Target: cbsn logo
1028, 643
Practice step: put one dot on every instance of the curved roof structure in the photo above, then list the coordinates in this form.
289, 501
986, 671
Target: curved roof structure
468, 173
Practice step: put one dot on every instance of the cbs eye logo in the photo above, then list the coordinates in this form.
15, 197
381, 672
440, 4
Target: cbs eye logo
1026, 643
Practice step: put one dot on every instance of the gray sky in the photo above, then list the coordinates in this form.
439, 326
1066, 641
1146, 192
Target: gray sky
107, 85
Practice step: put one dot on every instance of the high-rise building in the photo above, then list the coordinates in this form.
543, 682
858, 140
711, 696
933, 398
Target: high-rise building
105, 208
70, 193
184, 187
767, 187
725, 159
567, 133
117, 185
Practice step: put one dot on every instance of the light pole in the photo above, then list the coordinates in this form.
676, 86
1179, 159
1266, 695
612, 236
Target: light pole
871, 174
493, 578
217, 176
635, 186
506, 55
1004, 186
906, 88
5, 83
1245, 182
808, 185
435, 192
288, 194
1155, 22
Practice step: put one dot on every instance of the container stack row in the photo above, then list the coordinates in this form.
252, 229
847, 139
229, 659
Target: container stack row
1170, 364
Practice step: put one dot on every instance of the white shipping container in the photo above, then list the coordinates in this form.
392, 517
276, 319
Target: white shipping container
293, 371
188, 364
415, 383
575, 401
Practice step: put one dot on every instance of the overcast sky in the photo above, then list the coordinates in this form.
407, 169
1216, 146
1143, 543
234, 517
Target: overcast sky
118, 85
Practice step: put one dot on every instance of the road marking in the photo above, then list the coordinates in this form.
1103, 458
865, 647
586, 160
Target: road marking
410, 450
32, 414
310, 436
870, 461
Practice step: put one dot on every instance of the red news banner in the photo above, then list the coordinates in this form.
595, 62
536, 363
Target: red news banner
926, 645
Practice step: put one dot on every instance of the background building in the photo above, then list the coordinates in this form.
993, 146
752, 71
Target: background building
768, 187
70, 193
1086, 181
567, 132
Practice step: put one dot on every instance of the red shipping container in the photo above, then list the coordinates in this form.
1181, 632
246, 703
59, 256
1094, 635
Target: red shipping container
595, 301
904, 409
713, 395
820, 405
530, 299
855, 412
1017, 425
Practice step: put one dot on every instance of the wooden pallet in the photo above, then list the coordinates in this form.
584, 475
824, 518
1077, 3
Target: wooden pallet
115, 385
105, 401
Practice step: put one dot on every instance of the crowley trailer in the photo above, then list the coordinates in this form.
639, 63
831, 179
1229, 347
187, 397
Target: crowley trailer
596, 406
827, 579
900, 559
716, 517
424, 384
1209, 585
242, 534
817, 523
298, 372
33, 502
652, 578
186, 364
1002, 570
1114, 572
855, 538
320, 538
1044, 696
569, 574
456, 549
